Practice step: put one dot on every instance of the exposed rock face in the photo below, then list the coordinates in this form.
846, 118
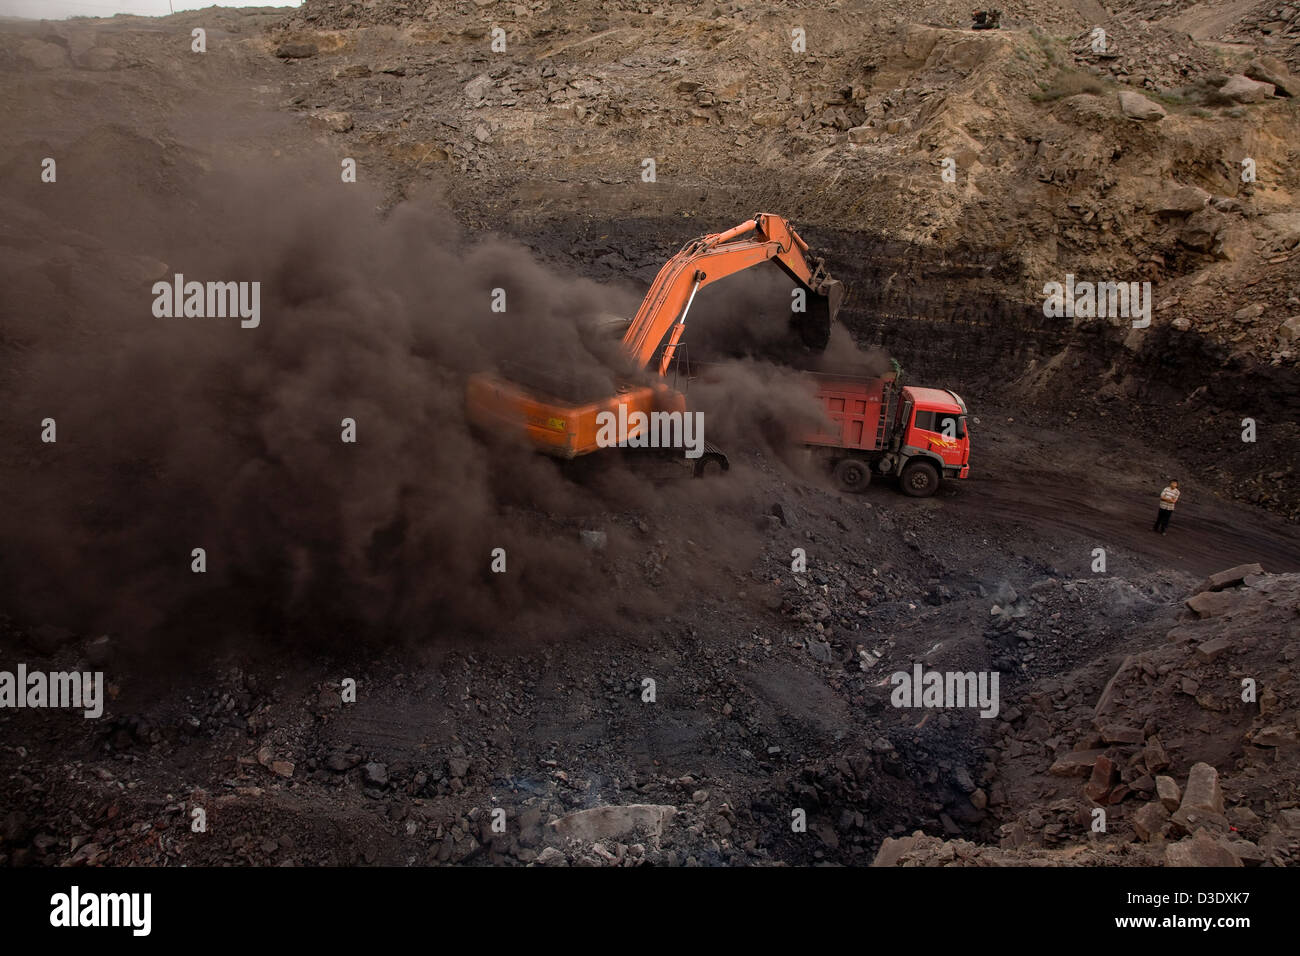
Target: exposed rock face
1214, 818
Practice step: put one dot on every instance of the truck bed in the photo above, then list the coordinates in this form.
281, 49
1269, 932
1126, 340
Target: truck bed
859, 408
855, 402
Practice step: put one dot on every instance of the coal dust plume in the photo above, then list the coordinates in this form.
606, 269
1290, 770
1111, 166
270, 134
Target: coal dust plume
149, 433
749, 362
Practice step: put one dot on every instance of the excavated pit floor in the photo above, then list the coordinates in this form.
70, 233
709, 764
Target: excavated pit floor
761, 705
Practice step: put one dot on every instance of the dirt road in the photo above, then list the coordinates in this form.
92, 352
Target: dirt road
1077, 480
1204, 536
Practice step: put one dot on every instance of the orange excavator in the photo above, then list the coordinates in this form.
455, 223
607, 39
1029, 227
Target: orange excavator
543, 408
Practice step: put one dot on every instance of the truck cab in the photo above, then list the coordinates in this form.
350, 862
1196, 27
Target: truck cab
932, 428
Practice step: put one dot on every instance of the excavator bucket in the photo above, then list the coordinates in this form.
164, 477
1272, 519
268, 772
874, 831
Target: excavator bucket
825, 296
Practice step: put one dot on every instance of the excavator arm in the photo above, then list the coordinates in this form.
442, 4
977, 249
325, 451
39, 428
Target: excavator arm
709, 258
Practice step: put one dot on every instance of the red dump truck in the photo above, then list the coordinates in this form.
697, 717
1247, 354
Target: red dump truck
880, 425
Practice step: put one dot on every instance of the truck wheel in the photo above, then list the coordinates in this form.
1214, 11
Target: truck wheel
852, 475
919, 479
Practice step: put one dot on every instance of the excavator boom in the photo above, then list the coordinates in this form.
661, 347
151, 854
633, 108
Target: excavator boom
709, 258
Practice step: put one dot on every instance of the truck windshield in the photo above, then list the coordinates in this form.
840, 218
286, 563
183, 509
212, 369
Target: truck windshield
945, 423
948, 425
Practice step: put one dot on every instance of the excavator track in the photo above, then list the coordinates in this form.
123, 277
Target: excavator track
713, 461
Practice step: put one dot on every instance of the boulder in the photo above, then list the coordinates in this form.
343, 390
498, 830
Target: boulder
1275, 735
1201, 229
1213, 603
1269, 69
1168, 793
1200, 850
1243, 817
1210, 650
550, 857
1230, 578
1076, 763
1120, 733
1154, 755
1242, 89
334, 120
820, 651
478, 88
1279, 231
1104, 776
1182, 200
1150, 820
1203, 792
1248, 853
894, 849
1138, 107
341, 762
614, 822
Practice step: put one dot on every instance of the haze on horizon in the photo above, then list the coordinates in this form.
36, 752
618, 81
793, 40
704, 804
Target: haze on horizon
62, 9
